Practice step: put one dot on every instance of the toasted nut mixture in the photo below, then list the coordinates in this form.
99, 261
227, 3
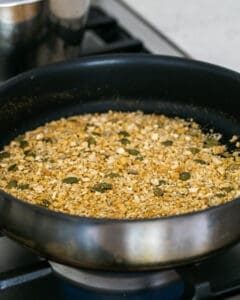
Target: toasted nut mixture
121, 165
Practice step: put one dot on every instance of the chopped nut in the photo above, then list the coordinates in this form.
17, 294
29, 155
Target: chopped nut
154, 181
39, 136
234, 139
154, 136
120, 150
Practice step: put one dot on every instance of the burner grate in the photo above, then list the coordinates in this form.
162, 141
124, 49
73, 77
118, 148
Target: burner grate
114, 37
116, 281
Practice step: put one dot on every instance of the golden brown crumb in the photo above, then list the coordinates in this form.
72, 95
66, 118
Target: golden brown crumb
120, 165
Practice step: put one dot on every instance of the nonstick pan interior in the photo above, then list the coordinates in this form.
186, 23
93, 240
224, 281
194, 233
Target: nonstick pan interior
208, 118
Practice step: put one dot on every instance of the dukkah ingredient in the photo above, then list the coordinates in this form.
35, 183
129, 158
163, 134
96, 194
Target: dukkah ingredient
158, 192
4, 154
167, 143
101, 187
70, 180
121, 165
184, 176
13, 167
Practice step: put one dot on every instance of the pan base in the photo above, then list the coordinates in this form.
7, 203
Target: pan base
115, 281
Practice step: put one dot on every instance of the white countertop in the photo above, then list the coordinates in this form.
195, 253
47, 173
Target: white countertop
207, 30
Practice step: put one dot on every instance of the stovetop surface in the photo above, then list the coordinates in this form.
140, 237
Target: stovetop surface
23, 275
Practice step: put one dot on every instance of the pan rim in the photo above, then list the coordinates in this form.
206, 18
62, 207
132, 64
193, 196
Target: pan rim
117, 58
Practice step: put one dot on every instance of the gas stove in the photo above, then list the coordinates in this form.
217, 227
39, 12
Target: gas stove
111, 28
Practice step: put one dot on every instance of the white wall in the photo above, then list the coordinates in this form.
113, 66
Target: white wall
206, 29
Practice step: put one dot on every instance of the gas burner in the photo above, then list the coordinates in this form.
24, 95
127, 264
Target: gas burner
115, 281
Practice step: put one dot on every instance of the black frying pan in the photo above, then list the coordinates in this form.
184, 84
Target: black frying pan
209, 94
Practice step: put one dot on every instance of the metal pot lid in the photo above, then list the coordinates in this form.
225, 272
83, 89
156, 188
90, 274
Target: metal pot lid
9, 3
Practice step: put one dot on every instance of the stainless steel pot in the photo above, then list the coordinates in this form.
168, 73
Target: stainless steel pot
21, 22
69, 18
24, 21
69, 13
